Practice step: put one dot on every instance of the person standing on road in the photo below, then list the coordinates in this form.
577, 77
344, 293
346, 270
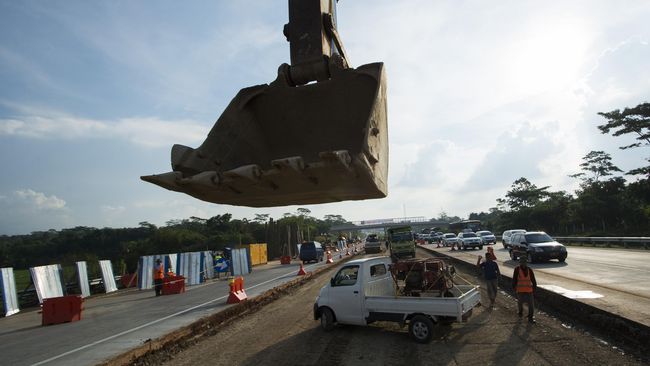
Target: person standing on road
524, 284
158, 275
491, 274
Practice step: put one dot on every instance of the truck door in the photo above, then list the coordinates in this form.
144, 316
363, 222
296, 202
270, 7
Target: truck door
346, 296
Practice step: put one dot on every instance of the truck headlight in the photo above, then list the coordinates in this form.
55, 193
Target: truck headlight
538, 249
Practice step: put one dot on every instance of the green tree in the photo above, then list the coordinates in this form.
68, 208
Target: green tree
524, 194
634, 121
598, 164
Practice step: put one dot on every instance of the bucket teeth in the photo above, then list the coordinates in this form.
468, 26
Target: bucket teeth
339, 157
208, 179
252, 173
167, 180
294, 163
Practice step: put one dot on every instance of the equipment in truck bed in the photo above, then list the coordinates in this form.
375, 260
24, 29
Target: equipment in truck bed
422, 277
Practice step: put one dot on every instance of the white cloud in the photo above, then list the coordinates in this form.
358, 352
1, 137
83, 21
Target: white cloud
26, 210
144, 131
39, 200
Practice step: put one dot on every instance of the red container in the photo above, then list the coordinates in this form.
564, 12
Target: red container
129, 280
173, 285
285, 259
62, 309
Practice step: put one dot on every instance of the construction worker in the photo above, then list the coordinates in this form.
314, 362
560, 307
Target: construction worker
524, 284
491, 274
158, 275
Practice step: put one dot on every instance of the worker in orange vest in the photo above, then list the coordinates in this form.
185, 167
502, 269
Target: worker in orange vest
524, 284
158, 275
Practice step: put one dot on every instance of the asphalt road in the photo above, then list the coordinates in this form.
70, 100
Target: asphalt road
114, 323
615, 280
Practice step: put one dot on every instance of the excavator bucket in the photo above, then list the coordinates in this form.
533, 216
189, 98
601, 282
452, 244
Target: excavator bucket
278, 144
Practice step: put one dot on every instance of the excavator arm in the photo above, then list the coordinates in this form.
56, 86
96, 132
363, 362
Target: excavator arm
316, 134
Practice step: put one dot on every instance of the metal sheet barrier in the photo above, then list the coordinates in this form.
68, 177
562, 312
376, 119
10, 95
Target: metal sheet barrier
145, 272
9, 296
82, 276
172, 262
107, 276
208, 267
190, 266
240, 262
48, 281
146, 264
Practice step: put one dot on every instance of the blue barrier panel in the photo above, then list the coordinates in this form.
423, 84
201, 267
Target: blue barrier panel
9, 295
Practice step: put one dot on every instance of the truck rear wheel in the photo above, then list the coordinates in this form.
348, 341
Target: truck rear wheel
421, 329
326, 319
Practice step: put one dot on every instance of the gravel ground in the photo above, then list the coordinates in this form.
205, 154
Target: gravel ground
285, 333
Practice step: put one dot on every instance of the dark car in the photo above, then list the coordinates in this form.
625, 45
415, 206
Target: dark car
311, 251
536, 246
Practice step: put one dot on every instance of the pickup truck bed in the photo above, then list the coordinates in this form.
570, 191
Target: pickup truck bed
392, 308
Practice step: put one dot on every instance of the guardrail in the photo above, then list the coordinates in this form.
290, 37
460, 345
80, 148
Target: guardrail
627, 242
639, 242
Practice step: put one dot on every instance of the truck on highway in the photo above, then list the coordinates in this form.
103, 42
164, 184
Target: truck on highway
401, 242
364, 291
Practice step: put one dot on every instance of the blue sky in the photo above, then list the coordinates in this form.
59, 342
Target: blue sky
94, 94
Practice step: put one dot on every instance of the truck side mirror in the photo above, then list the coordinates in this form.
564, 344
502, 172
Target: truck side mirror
332, 281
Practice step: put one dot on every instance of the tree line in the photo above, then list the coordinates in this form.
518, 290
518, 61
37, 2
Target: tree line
124, 246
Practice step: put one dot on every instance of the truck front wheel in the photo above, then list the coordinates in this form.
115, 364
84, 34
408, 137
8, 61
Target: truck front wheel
326, 319
421, 329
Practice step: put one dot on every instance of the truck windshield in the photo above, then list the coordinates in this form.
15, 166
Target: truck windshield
402, 237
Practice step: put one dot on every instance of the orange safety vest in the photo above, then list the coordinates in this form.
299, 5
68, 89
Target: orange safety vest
159, 272
524, 284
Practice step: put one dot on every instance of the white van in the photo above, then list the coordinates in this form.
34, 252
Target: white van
507, 235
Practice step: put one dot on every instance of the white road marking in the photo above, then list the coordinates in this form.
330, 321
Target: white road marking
572, 294
148, 324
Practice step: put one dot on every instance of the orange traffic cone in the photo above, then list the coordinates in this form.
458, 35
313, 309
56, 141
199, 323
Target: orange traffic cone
329, 257
301, 272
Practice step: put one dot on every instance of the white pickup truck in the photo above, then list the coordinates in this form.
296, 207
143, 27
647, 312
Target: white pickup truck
363, 291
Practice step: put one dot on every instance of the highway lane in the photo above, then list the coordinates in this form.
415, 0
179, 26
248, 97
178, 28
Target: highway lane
114, 323
618, 269
620, 276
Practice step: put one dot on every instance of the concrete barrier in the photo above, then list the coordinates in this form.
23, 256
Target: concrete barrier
626, 331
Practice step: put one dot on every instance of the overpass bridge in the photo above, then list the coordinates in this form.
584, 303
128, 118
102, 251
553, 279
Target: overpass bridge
416, 222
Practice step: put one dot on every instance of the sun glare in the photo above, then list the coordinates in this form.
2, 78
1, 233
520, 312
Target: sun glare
548, 57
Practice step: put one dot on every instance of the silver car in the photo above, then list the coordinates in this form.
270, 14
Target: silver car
449, 239
487, 237
469, 240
